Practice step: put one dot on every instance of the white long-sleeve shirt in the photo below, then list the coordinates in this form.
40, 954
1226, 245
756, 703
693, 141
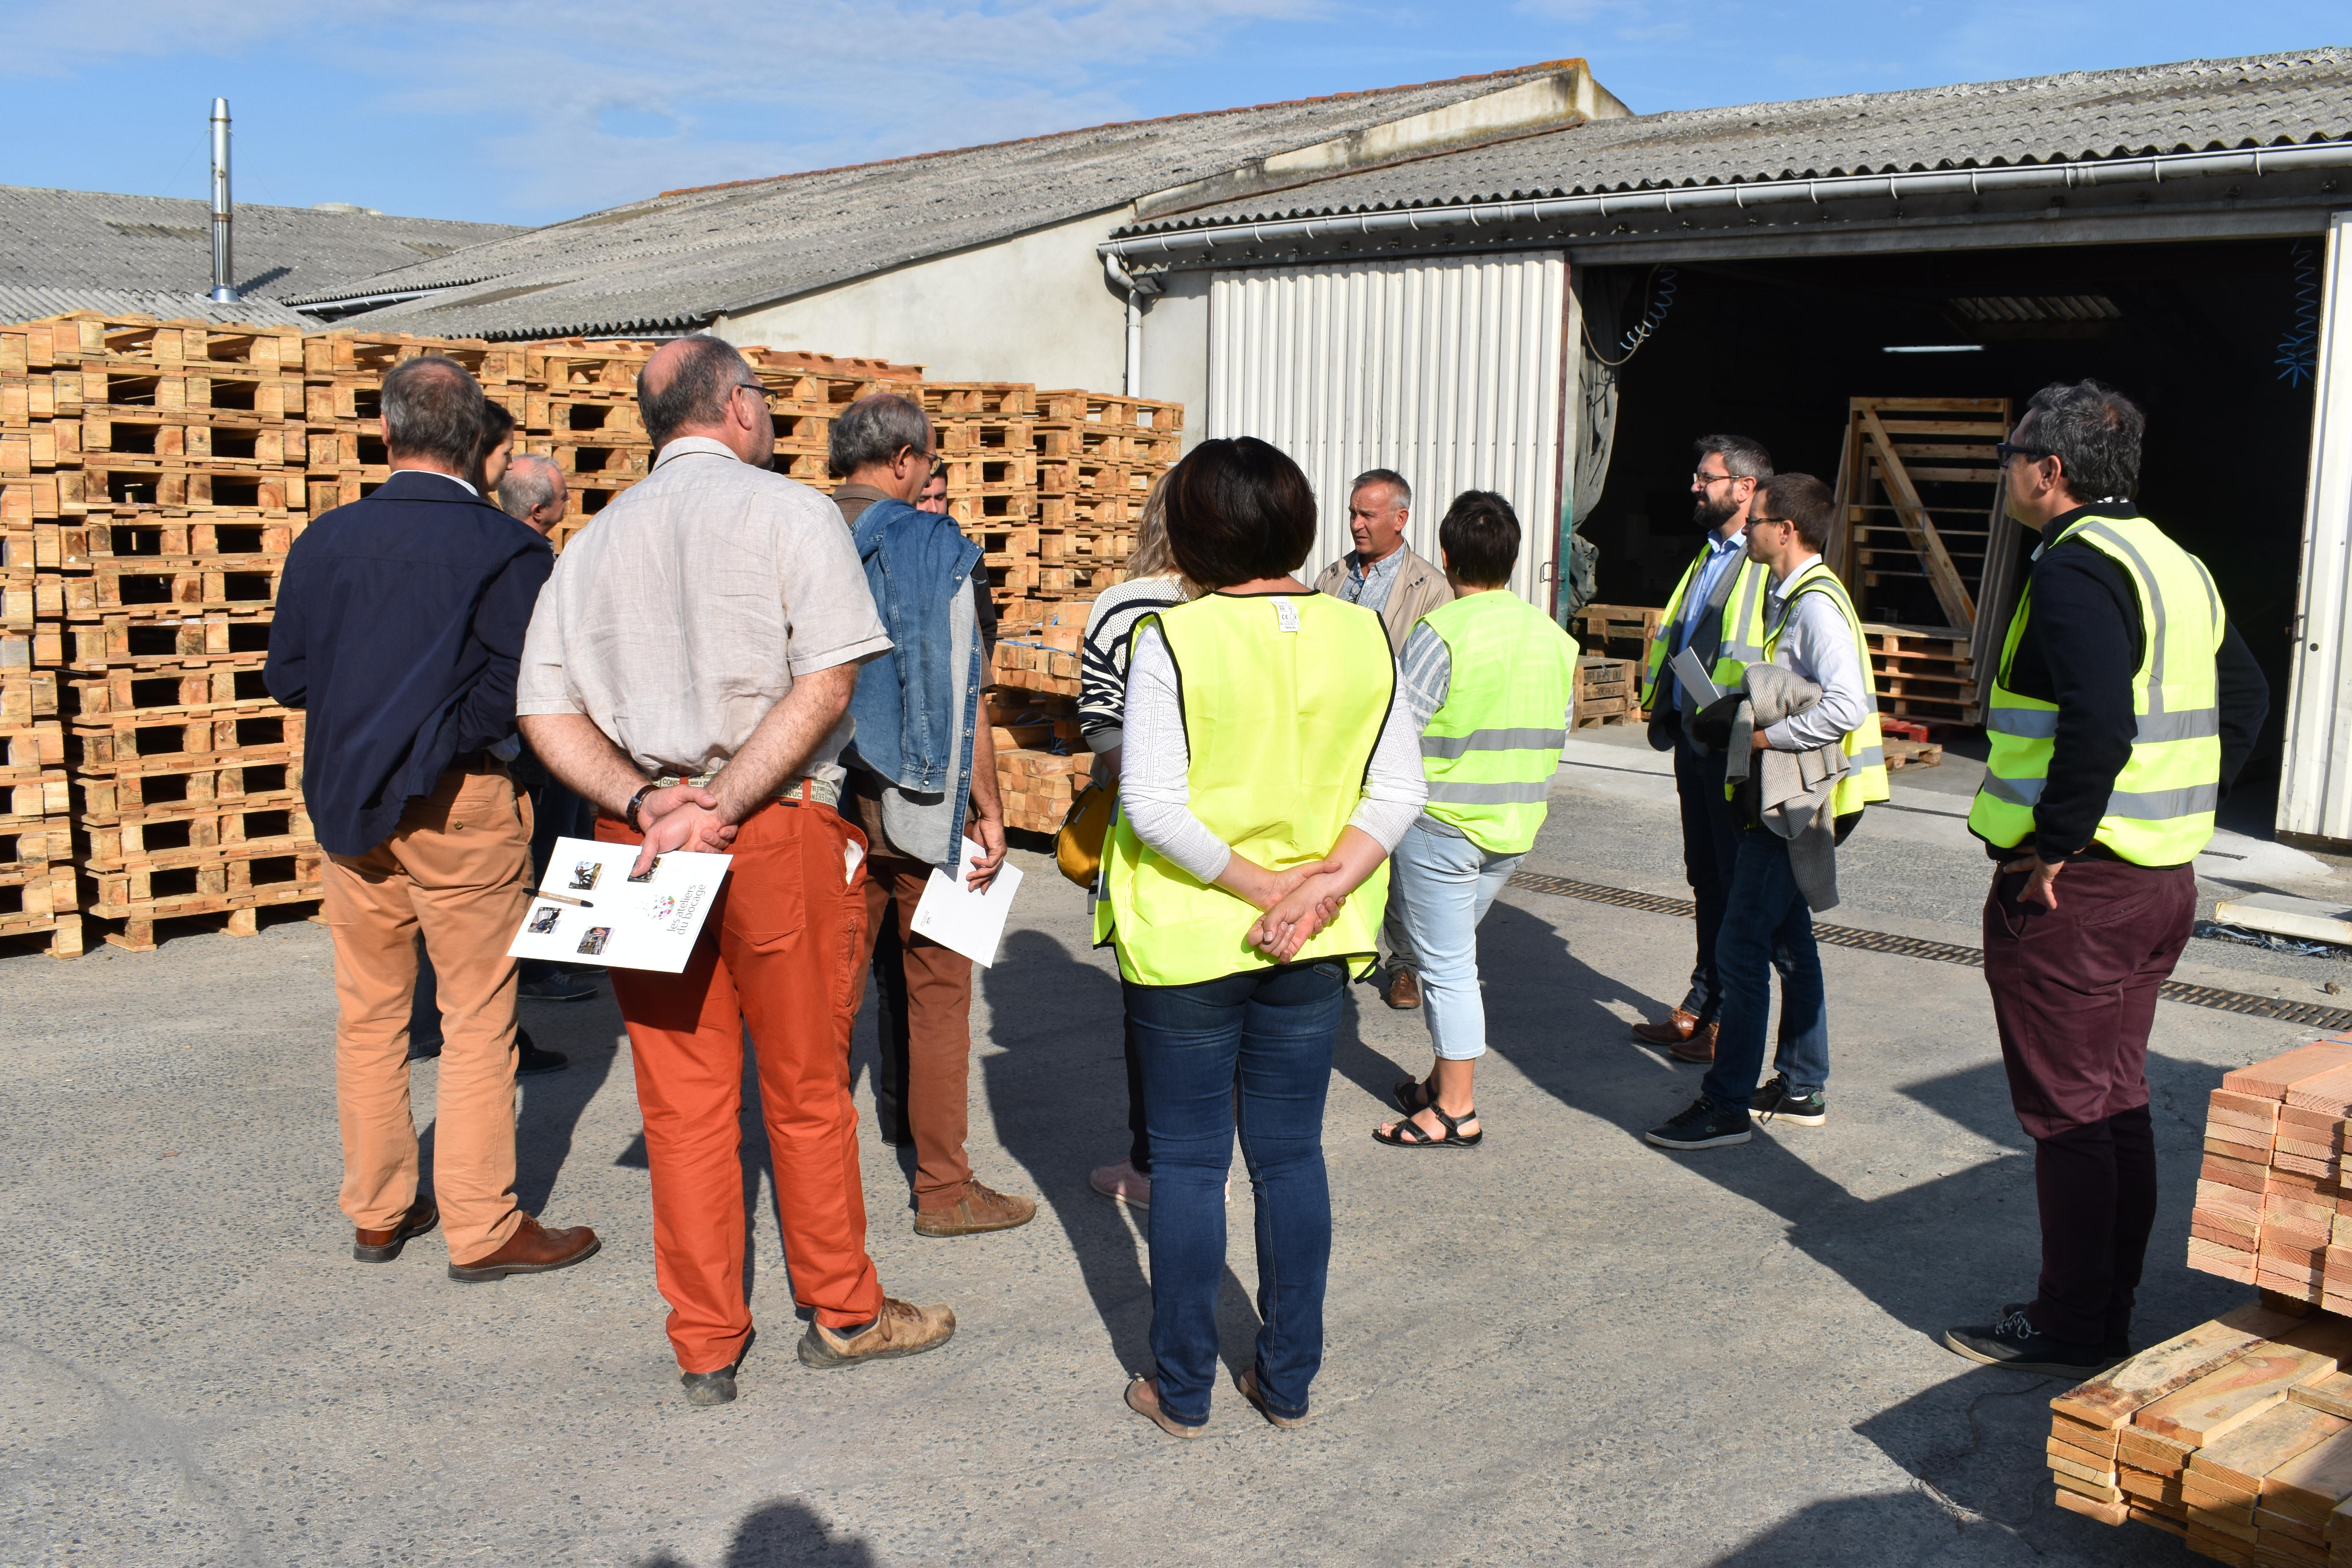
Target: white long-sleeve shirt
1155, 793
1818, 644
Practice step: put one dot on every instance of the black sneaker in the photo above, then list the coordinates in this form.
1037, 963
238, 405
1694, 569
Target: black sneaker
2014, 1344
529, 1058
1773, 1102
1702, 1126
555, 985
2120, 1347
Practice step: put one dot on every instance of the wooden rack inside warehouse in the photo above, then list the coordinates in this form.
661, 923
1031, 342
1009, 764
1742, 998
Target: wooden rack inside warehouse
155, 474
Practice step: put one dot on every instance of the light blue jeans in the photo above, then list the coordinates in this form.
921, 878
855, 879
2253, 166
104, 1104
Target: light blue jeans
1440, 887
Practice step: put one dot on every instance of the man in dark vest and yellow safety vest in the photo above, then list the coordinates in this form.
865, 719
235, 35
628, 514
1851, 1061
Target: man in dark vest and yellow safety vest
1717, 613
2124, 706
1787, 856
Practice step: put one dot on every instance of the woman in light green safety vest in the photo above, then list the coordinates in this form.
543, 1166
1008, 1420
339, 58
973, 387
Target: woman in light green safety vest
1487, 681
1265, 778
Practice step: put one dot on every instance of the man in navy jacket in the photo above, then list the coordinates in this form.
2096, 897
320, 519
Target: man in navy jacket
399, 628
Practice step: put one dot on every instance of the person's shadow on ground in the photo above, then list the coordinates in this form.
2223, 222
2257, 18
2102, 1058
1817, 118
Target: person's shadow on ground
783, 1535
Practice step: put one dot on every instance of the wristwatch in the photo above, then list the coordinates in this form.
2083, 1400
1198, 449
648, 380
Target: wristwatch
636, 801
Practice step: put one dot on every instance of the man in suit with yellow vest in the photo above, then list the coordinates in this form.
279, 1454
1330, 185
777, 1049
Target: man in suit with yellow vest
1786, 865
2124, 708
1717, 613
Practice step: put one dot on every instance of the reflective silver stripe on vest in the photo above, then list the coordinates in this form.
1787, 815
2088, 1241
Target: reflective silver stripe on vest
2156, 606
2030, 723
2016, 792
2164, 804
1490, 793
2041, 724
2194, 725
1493, 740
1742, 613
1867, 757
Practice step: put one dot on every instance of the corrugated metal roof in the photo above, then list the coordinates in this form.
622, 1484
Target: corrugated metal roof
681, 257
94, 239
2196, 105
19, 303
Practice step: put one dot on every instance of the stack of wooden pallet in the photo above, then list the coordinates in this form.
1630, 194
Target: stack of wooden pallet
1925, 673
2236, 1436
1623, 630
1040, 760
2271, 1204
1607, 692
37, 877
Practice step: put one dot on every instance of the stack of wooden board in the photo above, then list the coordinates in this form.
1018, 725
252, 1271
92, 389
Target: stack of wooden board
1606, 692
2271, 1205
1040, 760
2236, 1436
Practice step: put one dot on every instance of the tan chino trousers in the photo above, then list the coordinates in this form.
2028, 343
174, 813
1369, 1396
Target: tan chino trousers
457, 868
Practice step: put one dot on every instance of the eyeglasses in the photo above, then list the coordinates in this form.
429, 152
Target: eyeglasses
1702, 478
2031, 454
1754, 521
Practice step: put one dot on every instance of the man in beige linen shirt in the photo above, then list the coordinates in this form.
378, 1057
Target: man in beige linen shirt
689, 671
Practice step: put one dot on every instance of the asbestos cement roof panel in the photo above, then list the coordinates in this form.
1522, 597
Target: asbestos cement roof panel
2196, 105
19, 303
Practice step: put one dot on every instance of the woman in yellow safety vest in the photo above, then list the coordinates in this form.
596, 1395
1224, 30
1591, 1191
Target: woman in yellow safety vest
1263, 783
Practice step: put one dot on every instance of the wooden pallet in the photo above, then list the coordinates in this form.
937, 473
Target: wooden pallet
1901, 754
1924, 673
1627, 628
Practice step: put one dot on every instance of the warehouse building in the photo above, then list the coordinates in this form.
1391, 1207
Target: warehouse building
94, 250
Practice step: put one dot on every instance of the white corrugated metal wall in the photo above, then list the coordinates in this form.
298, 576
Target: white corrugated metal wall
2316, 775
1448, 370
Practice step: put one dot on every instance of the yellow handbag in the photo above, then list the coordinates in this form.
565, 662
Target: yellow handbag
1078, 846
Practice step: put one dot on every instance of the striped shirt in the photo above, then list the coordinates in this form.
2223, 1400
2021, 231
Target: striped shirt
1103, 656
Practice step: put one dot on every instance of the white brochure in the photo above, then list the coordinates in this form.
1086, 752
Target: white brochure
590, 909
952, 915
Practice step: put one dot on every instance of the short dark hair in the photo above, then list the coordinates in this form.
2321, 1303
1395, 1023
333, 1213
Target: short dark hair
2094, 432
875, 429
1382, 476
1803, 500
1743, 456
1480, 536
708, 370
1238, 511
432, 408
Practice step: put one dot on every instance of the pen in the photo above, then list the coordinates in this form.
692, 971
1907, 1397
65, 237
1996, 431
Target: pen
568, 898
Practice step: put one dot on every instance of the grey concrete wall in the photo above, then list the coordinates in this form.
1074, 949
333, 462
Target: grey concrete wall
1033, 308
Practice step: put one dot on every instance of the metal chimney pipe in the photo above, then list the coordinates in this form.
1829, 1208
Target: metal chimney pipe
224, 255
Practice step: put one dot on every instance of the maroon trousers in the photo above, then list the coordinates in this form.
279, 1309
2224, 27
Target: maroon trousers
2074, 991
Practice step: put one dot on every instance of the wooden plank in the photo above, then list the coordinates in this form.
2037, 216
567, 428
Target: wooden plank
2104, 1512
2271, 1079
2333, 1394
2113, 1397
1958, 606
2239, 1460
2309, 1485
2228, 1397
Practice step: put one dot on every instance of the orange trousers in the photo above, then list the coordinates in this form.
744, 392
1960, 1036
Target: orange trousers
457, 868
780, 949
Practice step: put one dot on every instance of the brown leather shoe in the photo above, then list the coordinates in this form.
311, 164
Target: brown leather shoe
1143, 1398
1403, 988
902, 1329
1671, 1030
384, 1245
980, 1208
1699, 1049
532, 1249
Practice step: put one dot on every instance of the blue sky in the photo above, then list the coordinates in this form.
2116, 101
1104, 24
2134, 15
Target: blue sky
531, 111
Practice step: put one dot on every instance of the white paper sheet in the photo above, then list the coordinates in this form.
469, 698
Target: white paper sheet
590, 911
952, 915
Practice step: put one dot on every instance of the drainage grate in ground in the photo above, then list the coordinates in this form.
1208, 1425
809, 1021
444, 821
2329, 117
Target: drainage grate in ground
2307, 1013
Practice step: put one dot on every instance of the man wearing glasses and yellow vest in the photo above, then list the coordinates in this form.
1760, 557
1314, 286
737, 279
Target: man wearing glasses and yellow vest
2124, 706
1717, 613
1786, 867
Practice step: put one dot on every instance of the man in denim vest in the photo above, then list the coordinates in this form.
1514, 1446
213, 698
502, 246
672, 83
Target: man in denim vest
923, 774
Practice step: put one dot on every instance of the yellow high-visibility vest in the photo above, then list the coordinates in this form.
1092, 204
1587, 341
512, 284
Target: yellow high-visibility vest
1490, 752
2160, 812
1865, 746
1283, 698
1741, 631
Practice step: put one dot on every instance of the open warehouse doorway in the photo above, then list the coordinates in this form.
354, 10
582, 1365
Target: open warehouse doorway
1776, 350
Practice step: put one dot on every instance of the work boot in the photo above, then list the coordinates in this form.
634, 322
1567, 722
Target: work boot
976, 1209
716, 1387
903, 1329
1671, 1030
1699, 1049
1403, 989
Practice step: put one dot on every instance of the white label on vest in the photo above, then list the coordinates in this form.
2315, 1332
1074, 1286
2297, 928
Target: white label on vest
1286, 614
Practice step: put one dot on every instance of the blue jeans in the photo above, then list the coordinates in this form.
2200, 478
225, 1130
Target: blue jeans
1766, 922
1271, 1032
1440, 887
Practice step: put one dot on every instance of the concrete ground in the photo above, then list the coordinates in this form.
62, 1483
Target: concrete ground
1563, 1348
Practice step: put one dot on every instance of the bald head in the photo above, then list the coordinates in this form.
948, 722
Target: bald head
686, 387
533, 491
